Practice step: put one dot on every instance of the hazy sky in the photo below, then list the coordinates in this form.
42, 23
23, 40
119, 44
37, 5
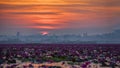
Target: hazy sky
59, 16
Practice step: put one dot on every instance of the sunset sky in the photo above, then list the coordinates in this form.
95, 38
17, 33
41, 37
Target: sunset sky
59, 16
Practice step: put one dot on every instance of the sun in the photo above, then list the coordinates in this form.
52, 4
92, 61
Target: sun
44, 33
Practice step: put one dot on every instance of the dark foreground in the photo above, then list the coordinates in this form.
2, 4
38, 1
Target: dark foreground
76, 55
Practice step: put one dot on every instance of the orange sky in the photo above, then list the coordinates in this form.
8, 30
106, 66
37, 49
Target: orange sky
56, 16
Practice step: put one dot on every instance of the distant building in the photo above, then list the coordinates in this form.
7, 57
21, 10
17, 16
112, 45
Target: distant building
85, 34
18, 35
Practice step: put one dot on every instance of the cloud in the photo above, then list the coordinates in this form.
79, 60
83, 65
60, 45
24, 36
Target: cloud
68, 3
43, 24
105, 3
30, 6
13, 6
36, 13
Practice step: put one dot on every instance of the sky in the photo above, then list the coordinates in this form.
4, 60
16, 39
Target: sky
59, 16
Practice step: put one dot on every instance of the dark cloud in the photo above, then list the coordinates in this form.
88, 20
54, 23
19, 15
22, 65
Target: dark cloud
27, 6
35, 13
13, 7
42, 24
49, 24
77, 10
105, 3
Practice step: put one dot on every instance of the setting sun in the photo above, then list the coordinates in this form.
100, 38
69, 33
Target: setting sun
44, 33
